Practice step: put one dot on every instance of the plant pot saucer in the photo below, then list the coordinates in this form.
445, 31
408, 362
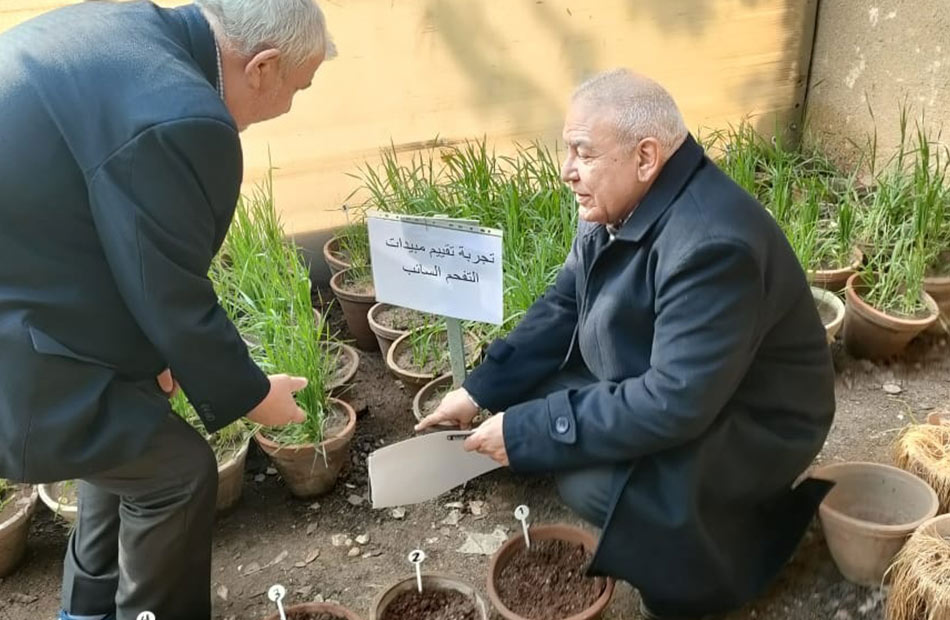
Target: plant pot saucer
51, 494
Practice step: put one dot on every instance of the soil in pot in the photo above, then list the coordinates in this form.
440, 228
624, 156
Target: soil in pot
431, 604
356, 296
317, 611
429, 397
547, 581
312, 615
401, 319
437, 364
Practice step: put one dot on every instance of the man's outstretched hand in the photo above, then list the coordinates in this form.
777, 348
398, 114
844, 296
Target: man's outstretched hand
279, 407
456, 409
489, 439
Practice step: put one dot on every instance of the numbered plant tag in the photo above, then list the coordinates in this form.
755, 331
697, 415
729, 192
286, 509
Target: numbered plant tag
416, 558
276, 595
521, 513
145, 615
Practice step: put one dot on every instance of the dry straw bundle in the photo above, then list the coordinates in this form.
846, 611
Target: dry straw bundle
920, 576
924, 450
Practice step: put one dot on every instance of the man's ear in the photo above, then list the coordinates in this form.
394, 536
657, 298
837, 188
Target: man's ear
263, 68
649, 155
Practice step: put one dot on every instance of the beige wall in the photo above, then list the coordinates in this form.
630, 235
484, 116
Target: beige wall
876, 53
411, 70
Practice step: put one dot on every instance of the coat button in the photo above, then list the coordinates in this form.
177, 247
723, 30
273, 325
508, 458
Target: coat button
562, 425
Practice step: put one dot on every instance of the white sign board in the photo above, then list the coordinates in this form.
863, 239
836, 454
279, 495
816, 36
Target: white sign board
443, 267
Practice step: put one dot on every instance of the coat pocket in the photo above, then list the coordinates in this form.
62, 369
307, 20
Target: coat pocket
46, 344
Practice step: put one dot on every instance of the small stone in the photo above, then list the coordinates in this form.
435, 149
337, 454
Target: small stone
315, 506
362, 539
477, 507
892, 388
299, 564
280, 558
260, 478
319, 599
349, 485
432, 541
304, 591
455, 505
313, 555
222, 592
23, 599
251, 568
355, 551
843, 614
348, 542
398, 513
356, 500
454, 517
312, 528
371, 554
271, 471
338, 540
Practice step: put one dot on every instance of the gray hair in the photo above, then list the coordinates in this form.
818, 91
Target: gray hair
295, 27
641, 107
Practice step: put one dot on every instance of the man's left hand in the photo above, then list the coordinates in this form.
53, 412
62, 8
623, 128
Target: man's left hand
167, 383
489, 439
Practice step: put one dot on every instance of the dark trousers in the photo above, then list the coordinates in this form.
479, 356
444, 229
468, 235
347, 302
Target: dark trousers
588, 492
142, 540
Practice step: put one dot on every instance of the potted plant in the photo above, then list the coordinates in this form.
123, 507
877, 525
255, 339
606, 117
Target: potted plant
389, 322
354, 290
422, 354
17, 505
348, 247
62, 498
548, 580
868, 515
229, 445
442, 598
316, 611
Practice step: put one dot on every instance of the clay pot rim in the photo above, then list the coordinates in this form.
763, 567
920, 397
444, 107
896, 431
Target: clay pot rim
937, 281
236, 457
341, 612
878, 529
352, 367
424, 391
553, 531
824, 295
335, 286
330, 251
882, 319
328, 442
66, 511
413, 376
827, 274
378, 328
481, 607
25, 512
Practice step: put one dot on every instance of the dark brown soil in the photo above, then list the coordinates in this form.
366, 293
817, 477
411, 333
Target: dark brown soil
547, 582
402, 319
431, 605
308, 615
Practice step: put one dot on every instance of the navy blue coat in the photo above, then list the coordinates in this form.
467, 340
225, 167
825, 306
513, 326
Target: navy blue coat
715, 388
120, 167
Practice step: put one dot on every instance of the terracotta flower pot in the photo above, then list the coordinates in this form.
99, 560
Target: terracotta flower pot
872, 334
429, 581
347, 370
14, 529
317, 608
831, 310
939, 289
385, 336
63, 502
868, 515
515, 544
312, 469
332, 256
355, 308
231, 479
426, 392
834, 280
414, 379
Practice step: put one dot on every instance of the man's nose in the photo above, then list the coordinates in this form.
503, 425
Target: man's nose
568, 171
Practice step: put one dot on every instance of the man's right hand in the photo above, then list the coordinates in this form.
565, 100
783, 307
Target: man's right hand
279, 407
456, 408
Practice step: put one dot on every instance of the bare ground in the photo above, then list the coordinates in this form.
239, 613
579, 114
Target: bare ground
270, 536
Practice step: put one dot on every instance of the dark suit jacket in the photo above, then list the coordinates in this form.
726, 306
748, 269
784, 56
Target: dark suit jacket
119, 171
715, 390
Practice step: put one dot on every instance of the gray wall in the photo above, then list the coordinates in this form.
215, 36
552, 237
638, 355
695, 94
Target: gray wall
877, 52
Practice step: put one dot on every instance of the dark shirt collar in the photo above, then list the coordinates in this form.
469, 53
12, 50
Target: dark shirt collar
673, 178
200, 41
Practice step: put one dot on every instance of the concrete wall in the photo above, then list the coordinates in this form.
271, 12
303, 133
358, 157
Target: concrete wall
869, 56
412, 70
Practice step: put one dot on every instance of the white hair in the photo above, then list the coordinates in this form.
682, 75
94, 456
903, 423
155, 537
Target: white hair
297, 28
641, 108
